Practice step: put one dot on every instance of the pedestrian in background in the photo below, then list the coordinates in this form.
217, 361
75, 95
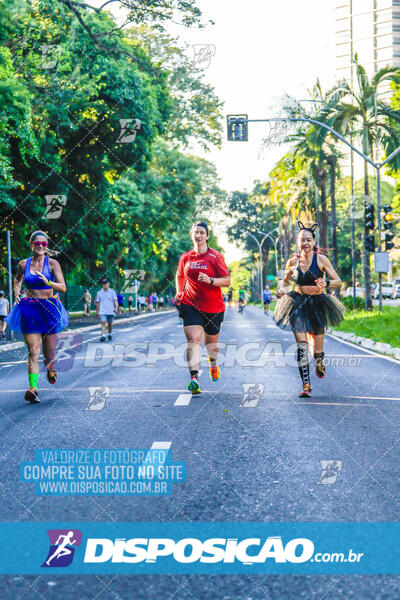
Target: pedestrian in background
106, 308
4, 309
87, 300
120, 298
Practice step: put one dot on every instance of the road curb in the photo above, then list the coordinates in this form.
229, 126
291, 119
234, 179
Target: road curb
368, 344
15, 345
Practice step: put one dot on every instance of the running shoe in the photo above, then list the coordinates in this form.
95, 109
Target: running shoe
32, 396
52, 375
109, 337
103, 338
306, 391
215, 372
320, 369
194, 386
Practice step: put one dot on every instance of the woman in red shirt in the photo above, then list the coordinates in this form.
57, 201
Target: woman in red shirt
201, 274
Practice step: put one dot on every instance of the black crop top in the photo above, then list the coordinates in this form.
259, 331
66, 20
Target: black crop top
309, 277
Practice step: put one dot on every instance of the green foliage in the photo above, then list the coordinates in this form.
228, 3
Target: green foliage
378, 326
348, 303
68, 77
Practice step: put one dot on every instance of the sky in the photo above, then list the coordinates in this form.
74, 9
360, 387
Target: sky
263, 49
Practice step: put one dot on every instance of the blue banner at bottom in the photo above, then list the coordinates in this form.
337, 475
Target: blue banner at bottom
206, 548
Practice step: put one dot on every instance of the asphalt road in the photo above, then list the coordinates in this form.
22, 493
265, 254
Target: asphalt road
247, 458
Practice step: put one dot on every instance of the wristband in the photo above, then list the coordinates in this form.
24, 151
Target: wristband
212, 280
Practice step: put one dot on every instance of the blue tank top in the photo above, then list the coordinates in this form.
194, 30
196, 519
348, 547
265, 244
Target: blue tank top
313, 273
33, 282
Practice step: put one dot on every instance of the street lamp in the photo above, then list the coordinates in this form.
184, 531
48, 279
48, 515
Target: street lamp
275, 242
259, 244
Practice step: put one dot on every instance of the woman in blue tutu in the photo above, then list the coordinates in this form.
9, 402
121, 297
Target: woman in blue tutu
39, 314
308, 310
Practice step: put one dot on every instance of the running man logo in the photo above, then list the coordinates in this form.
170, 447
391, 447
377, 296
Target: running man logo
330, 470
129, 129
54, 206
63, 543
203, 54
97, 398
251, 394
67, 345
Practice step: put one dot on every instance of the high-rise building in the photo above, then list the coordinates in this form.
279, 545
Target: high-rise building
370, 28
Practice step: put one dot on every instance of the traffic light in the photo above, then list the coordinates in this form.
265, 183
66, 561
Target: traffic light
387, 226
369, 216
237, 128
370, 243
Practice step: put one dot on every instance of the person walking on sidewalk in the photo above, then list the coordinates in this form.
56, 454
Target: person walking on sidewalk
4, 309
87, 300
106, 307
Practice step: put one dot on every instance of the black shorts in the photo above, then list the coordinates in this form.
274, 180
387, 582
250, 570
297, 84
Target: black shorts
210, 322
267, 301
2, 317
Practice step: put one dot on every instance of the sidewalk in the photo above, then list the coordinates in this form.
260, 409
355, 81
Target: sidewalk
80, 324
366, 343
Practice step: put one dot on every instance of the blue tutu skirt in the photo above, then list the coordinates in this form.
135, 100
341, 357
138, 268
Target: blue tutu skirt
38, 315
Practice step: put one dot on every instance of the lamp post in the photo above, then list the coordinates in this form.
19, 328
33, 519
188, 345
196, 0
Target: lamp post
275, 242
259, 244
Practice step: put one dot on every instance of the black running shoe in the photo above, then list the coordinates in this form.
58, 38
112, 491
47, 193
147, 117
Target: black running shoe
32, 396
103, 338
52, 375
109, 337
306, 391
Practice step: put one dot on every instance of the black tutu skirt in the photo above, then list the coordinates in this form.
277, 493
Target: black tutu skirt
308, 314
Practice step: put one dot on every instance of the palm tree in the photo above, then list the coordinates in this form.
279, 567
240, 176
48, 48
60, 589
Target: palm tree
362, 112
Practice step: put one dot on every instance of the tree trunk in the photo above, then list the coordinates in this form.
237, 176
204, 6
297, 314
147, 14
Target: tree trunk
367, 262
323, 215
332, 164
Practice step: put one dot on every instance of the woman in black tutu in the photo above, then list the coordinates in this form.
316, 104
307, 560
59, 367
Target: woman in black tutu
309, 309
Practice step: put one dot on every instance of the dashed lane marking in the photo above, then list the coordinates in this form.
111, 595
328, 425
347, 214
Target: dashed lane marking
183, 400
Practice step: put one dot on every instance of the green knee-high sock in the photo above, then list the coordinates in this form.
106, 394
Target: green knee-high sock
33, 380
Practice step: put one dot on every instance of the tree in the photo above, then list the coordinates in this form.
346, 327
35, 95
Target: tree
362, 111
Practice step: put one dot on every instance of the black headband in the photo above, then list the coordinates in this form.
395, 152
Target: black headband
200, 224
300, 227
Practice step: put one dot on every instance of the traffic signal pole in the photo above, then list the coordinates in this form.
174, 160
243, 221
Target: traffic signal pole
240, 133
9, 273
378, 189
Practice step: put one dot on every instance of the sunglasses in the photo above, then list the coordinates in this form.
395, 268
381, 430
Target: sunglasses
44, 244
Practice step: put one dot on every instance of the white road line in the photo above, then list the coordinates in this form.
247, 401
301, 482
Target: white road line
367, 350
334, 403
183, 400
161, 445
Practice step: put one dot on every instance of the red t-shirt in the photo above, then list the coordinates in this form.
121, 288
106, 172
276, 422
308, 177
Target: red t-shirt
199, 294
